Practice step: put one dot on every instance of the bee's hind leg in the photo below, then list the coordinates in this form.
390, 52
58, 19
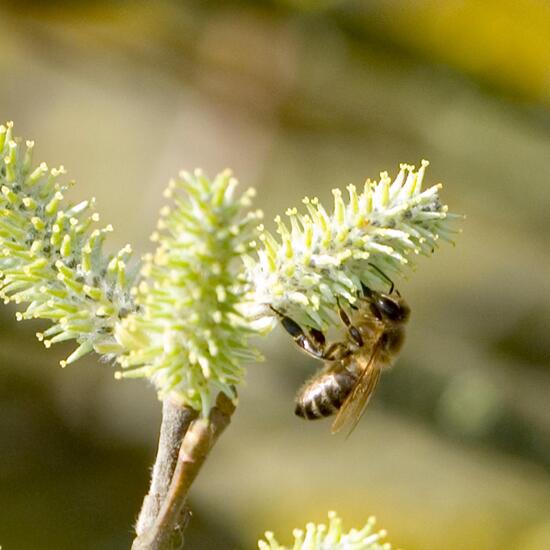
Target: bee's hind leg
313, 344
318, 336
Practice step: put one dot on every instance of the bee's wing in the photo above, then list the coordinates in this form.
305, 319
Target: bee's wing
355, 404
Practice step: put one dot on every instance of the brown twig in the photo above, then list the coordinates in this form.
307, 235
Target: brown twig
175, 423
195, 447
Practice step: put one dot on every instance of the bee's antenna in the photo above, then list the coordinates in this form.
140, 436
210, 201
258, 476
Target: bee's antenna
380, 272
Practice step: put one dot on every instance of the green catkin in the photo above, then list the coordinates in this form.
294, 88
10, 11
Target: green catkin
324, 258
44, 259
330, 537
189, 336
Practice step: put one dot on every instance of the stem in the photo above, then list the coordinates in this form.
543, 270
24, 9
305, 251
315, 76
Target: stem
195, 447
175, 423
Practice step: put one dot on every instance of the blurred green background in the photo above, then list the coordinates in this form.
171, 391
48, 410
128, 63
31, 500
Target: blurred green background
298, 97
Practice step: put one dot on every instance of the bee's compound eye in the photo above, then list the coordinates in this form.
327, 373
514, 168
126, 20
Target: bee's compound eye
390, 309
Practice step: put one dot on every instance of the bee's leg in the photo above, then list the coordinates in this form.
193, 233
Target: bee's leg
313, 345
336, 352
318, 336
343, 315
355, 335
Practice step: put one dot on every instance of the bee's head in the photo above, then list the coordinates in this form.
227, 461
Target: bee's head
387, 307
390, 308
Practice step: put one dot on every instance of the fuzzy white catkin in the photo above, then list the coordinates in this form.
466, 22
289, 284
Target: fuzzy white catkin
51, 256
330, 537
188, 335
319, 258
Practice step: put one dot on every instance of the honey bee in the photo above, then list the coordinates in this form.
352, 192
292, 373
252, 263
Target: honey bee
374, 336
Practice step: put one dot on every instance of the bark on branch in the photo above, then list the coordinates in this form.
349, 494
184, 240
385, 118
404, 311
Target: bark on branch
166, 532
175, 423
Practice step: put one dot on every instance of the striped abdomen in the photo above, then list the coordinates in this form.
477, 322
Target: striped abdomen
324, 394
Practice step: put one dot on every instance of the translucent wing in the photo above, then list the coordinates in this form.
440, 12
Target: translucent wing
355, 404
